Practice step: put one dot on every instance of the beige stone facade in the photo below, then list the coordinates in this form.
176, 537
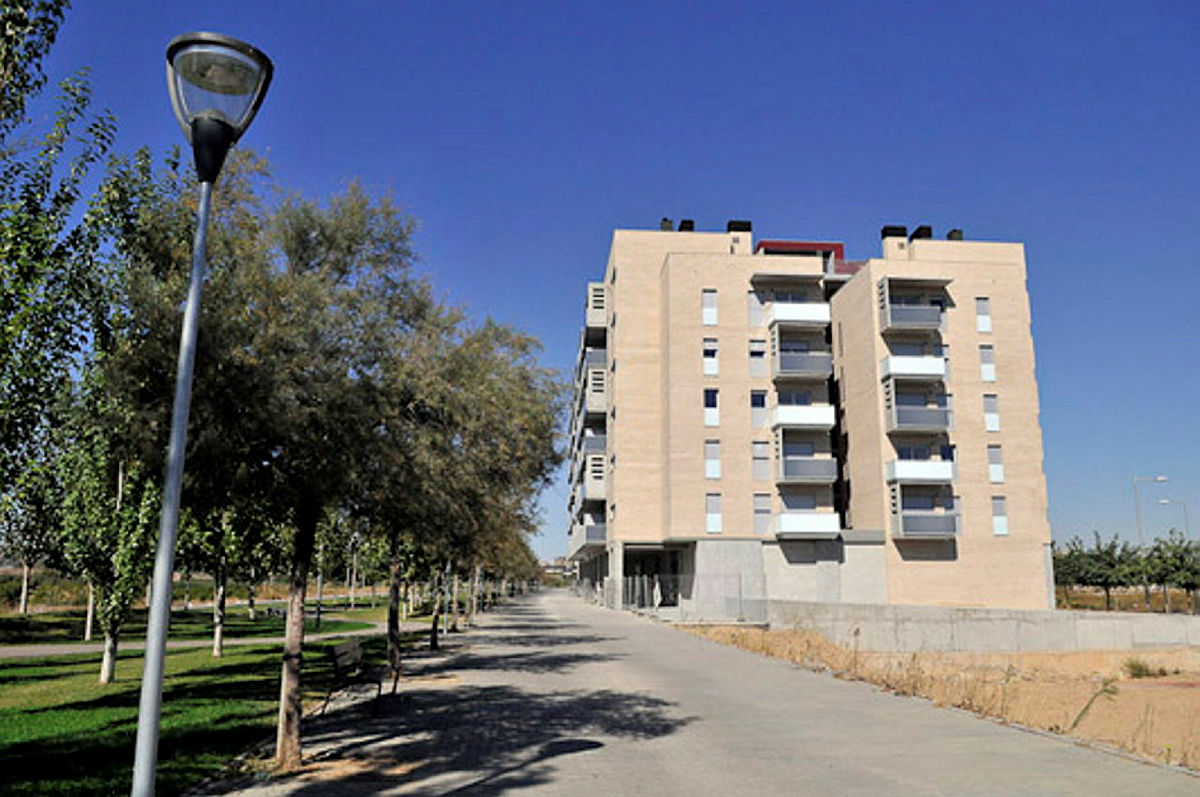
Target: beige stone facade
774, 422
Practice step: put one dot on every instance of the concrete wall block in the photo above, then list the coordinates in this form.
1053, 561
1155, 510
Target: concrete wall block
987, 634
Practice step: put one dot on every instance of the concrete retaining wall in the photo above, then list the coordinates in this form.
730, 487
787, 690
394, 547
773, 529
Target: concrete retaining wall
906, 629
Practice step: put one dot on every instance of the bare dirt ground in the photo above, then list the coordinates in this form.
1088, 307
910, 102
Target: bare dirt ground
1089, 695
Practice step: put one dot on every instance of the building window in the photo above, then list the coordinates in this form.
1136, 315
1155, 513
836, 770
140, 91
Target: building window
798, 500
758, 409
995, 465
762, 513
712, 415
907, 451
708, 307
712, 513
991, 412
754, 309
711, 366
760, 460
795, 398
999, 516
987, 363
983, 314
712, 459
758, 358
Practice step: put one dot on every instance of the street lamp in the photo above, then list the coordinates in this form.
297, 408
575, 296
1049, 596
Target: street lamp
217, 84
1187, 530
1137, 511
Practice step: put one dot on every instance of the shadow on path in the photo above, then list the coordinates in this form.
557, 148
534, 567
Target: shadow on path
467, 740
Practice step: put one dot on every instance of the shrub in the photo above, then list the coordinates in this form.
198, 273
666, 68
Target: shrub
1136, 668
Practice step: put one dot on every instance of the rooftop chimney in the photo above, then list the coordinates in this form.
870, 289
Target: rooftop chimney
738, 225
893, 231
924, 231
687, 225
666, 224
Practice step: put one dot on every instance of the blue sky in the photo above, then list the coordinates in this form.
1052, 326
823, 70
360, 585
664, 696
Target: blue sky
520, 134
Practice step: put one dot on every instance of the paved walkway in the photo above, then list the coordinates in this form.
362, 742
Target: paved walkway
555, 697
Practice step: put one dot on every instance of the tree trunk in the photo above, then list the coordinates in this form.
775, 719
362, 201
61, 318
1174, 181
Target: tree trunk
90, 620
320, 591
219, 611
404, 605
454, 603
437, 605
1108, 599
108, 664
1166, 591
250, 613
287, 739
25, 588
353, 576
1146, 591
393, 616
187, 591
473, 600
444, 597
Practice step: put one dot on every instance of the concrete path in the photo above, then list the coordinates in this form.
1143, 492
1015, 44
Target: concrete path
556, 697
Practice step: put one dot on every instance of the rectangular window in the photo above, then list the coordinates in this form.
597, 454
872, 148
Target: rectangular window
991, 412
758, 358
798, 449
712, 459
712, 513
754, 309
758, 408
995, 465
999, 516
907, 451
983, 314
987, 363
795, 398
711, 366
708, 307
798, 501
712, 415
762, 513
760, 460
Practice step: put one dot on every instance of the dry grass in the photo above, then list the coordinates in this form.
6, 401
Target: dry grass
1084, 694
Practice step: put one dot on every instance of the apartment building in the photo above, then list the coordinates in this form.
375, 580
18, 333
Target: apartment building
770, 421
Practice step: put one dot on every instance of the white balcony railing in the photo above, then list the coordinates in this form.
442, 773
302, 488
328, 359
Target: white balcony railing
926, 525
920, 471
798, 314
807, 470
906, 366
807, 525
803, 416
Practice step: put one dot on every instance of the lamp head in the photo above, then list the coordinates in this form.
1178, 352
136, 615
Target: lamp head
1161, 479
217, 84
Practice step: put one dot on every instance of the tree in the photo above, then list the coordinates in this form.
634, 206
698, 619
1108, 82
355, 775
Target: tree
28, 517
1179, 560
109, 513
1108, 565
1069, 566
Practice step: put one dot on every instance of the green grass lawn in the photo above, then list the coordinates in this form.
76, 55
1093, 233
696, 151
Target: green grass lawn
67, 626
61, 733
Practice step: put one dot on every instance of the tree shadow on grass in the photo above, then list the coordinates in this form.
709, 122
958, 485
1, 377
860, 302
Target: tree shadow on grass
468, 740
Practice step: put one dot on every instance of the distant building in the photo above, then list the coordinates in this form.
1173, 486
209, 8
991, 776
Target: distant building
774, 422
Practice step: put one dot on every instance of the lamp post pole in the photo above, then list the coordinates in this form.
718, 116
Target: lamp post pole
1137, 511
150, 705
217, 84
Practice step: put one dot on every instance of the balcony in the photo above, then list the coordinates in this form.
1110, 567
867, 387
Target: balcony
594, 444
807, 470
597, 305
919, 419
912, 367
798, 314
803, 365
807, 525
925, 525
899, 317
586, 538
920, 471
802, 416
589, 357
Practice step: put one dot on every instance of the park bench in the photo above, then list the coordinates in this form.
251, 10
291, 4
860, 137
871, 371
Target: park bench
275, 611
346, 658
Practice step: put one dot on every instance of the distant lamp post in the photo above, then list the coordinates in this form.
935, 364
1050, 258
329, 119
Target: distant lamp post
217, 84
1137, 511
1187, 530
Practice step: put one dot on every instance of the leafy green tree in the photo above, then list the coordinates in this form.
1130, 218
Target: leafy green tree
1109, 565
109, 514
28, 517
1069, 564
1178, 562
